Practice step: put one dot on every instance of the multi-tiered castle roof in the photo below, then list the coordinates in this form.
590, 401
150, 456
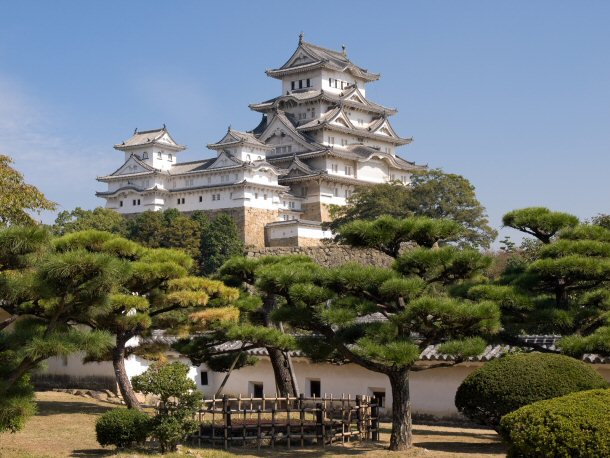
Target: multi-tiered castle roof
315, 143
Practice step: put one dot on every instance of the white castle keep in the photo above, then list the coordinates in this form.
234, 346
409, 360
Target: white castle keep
315, 144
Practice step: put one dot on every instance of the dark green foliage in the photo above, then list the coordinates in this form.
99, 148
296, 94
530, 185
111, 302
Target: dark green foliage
602, 220
433, 194
17, 198
504, 385
179, 401
540, 222
220, 242
575, 425
153, 290
44, 292
168, 229
370, 316
388, 234
122, 427
100, 219
556, 283
17, 403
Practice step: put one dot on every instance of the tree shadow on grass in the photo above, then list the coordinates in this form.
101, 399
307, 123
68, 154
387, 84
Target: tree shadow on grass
92, 452
464, 447
484, 434
67, 407
305, 452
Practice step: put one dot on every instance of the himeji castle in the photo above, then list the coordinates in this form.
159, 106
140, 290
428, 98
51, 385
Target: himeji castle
316, 143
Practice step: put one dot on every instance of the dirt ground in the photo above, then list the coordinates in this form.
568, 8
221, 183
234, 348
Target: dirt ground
65, 427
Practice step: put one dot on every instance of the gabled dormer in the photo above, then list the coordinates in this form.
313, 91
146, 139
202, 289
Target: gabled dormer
242, 145
225, 159
155, 147
281, 135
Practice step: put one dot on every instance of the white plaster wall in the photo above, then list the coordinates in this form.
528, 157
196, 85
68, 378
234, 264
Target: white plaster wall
432, 391
315, 79
283, 232
374, 171
341, 76
313, 233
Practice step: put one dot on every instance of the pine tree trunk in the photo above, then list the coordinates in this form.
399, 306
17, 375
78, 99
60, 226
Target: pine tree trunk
279, 361
281, 372
118, 362
402, 435
561, 294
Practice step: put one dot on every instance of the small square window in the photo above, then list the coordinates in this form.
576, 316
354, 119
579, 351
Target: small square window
159, 155
379, 397
170, 158
178, 202
183, 200
292, 85
315, 388
138, 201
204, 377
200, 198
120, 203
133, 202
256, 389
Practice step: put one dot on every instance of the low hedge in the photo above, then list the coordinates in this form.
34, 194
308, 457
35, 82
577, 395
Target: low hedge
123, 427
575, 425
506, 384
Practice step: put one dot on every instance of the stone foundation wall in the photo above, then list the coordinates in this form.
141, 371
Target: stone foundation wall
88, 382
255, 220
315, 211
283, 242
250, 222
289, 242
327, 256
311, 211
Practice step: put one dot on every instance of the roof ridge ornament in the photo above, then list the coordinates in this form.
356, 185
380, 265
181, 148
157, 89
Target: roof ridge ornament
135, 131
301, 36
344, 50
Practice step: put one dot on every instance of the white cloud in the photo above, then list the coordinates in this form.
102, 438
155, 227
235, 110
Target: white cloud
64, 169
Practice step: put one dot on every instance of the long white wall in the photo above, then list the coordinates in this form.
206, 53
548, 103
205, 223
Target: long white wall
432, 391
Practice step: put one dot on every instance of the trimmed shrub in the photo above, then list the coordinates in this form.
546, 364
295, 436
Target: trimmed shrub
122, 427
506, 384
575, 425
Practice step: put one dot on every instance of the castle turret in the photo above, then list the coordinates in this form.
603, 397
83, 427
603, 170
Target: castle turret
155, 147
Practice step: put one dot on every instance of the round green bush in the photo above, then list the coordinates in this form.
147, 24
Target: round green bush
575, 425
506, 384
122, 427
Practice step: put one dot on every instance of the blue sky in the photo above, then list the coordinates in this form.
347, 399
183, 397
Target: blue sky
515, 96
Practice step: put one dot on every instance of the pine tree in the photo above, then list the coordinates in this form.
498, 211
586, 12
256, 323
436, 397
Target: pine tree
156, 292
382, 319
45, 291
561, 287
254, 329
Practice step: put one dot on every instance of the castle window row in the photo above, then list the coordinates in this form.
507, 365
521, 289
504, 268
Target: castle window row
337, 84
283, 149
301, 84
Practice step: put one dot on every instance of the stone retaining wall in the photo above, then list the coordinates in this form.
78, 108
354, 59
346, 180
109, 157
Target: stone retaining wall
327, 256
42, 381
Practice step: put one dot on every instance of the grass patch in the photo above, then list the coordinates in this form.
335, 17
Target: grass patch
65, 427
